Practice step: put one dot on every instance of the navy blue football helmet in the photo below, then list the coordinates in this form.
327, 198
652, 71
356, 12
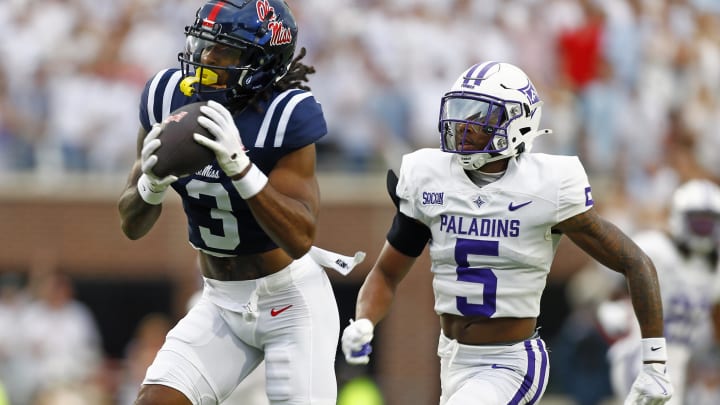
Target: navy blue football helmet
235, 49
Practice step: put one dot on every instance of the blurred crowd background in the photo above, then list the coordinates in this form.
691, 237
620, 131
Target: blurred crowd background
631, 86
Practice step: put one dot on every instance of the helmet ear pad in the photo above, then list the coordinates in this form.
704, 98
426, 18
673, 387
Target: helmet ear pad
522, 132
255, 81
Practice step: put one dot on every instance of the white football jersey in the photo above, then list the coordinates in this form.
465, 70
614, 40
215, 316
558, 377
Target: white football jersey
686, 287
491, 247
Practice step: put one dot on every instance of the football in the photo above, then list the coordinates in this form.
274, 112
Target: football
178, 153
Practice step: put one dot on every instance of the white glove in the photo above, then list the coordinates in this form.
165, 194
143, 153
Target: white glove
227, 145
651, 387
356, 341
150, 187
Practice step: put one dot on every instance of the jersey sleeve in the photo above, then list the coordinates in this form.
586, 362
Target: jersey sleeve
160, 96
402, 190
405, 189
307, 119
301, 120
574, 193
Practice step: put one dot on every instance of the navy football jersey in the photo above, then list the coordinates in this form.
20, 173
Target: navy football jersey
219, 221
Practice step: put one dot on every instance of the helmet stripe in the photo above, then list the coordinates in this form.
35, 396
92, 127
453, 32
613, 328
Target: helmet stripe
210, 20
481, 74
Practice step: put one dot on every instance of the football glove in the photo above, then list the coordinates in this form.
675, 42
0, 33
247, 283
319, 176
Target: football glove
356, 341
651, 387
227, 145
150, 187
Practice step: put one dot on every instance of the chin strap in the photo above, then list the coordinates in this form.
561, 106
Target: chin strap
474, 161
478, 160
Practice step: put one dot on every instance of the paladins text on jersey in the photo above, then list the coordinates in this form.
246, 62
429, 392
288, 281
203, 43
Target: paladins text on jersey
488, 227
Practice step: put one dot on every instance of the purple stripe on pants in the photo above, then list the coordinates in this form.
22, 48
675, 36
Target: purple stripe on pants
527, 383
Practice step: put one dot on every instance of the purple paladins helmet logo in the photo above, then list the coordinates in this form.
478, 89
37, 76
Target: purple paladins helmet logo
530, 93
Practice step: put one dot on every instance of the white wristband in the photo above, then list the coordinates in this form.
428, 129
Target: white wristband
146, 192
654, 349
251, 183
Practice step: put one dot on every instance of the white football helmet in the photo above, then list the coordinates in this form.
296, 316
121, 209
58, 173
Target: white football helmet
494, 101
695, 215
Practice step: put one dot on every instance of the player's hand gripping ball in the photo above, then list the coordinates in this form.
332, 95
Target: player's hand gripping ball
178, 153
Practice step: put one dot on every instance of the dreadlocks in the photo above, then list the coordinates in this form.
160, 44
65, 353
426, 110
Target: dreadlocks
297, 73
295, 77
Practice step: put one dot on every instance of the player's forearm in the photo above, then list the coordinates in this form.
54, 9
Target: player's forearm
716, 320
378, 291
287, 221
136, 216
607, 244
375, 297
644, 290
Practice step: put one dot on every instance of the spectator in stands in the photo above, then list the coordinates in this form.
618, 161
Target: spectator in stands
60, 338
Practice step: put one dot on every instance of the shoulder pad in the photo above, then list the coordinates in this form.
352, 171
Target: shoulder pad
391, 181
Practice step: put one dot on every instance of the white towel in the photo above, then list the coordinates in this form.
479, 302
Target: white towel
340, 263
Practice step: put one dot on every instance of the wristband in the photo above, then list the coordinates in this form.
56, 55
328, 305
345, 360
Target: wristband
654, 350
145, 189
251, 183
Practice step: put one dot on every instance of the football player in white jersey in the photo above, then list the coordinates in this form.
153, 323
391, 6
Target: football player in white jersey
492, 214
686, 258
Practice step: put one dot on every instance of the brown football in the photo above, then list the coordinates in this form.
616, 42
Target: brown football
178, 153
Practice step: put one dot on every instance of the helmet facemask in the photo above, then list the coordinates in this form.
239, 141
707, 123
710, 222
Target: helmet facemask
702, 231
695, 216
476, 127
218, 69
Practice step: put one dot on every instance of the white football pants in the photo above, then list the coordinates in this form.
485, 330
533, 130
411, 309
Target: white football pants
290, 319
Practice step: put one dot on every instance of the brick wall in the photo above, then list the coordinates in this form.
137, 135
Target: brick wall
82, 236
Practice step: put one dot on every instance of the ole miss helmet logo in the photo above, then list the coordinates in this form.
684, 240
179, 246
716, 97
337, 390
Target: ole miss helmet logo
281, 34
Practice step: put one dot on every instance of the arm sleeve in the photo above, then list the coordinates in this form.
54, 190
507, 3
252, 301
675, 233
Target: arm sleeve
406, 235
575, 194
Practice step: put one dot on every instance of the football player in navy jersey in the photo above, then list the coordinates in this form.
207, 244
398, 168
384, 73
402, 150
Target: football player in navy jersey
251, 214
492, 214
